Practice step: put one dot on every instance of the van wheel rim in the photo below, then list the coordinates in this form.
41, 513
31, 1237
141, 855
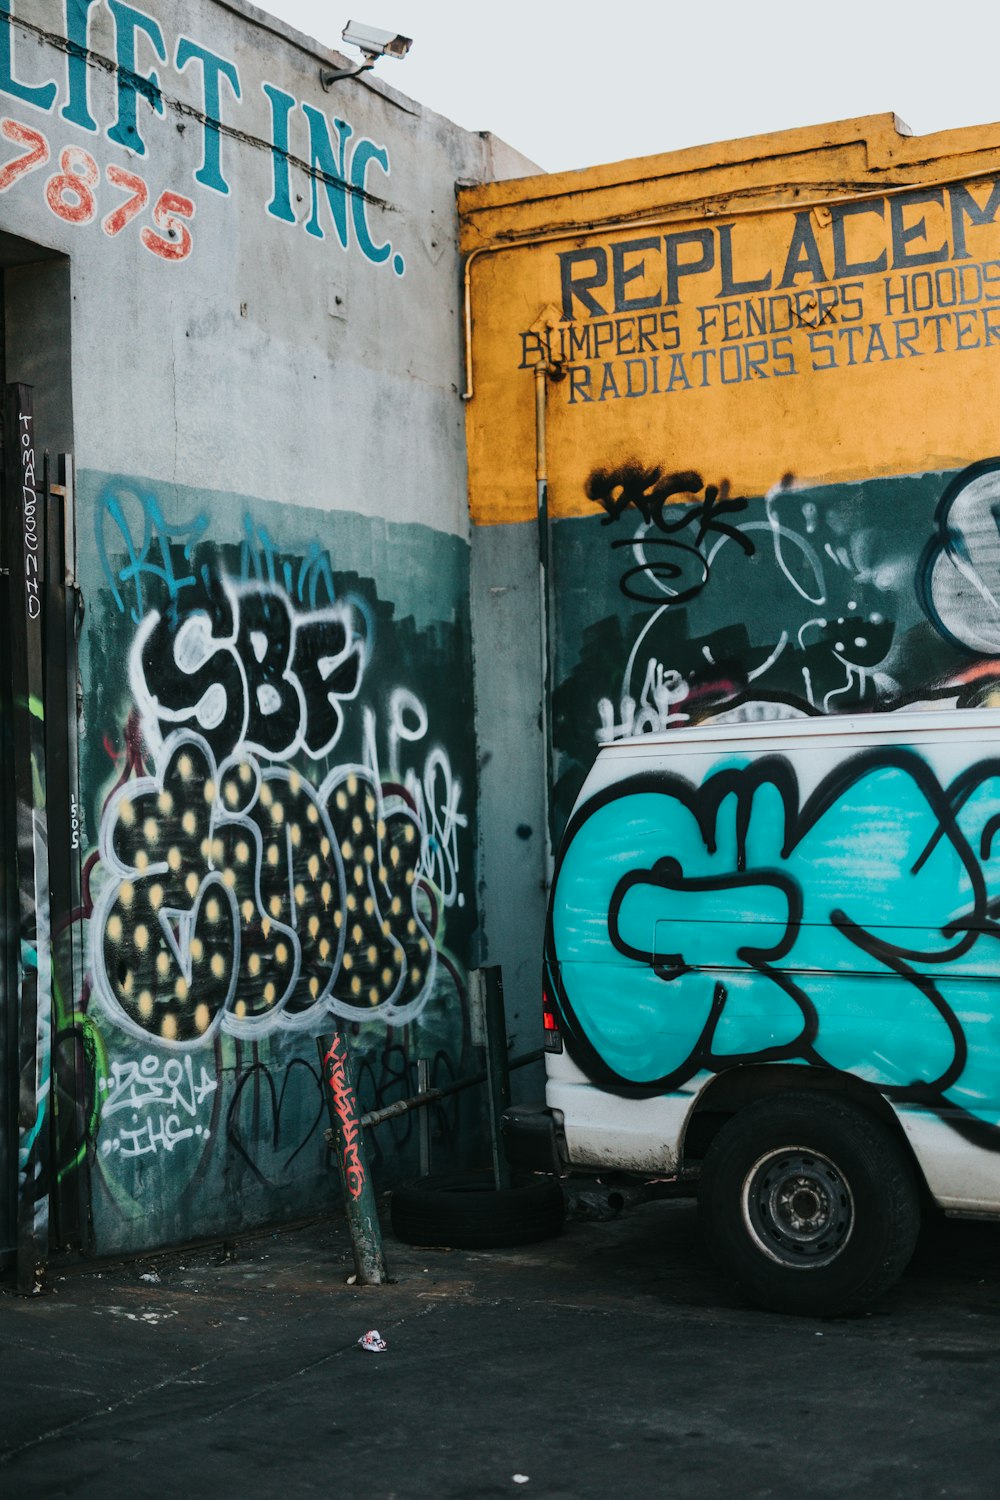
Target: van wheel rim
798, 1208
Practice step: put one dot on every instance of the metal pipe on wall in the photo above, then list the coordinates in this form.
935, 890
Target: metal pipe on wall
542, 371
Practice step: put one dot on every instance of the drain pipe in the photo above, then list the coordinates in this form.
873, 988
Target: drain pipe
541, 371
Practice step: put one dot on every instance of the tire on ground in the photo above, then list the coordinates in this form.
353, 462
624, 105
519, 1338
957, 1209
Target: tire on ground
469, 1213
811, 1204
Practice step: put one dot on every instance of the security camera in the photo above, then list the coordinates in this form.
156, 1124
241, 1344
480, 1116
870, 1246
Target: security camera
376, 43
373, 43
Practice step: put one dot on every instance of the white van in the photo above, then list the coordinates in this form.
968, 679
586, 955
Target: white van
772, 969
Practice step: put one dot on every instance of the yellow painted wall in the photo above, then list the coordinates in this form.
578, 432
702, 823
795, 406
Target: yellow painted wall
820, 302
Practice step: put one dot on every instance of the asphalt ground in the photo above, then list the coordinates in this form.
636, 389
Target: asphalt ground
611, 1361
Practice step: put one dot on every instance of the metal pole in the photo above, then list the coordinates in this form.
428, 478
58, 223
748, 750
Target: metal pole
431, 1096
497, 1068
424, 1123
347, 1139
542, 370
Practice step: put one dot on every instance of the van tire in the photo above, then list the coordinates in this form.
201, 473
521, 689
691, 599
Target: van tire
469, 1213
809, 1203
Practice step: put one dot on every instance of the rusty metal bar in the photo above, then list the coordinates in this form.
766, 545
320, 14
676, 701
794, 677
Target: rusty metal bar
497, 1069
431, 1096
423, 1121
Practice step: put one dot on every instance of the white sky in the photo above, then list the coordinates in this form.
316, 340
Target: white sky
574, 82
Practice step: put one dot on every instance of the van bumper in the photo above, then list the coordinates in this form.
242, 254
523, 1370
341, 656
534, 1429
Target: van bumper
532, 1139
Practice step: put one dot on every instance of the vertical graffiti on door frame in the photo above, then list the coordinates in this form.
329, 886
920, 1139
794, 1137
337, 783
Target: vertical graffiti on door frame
24, 554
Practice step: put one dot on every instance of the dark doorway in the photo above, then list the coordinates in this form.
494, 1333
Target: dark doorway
42, 1091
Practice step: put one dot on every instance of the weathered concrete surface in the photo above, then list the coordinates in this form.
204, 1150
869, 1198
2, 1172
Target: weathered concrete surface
612, 1361
506, 651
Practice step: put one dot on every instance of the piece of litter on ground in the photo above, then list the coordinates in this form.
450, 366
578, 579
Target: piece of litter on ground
373, 1341
520, 1478
149, 1276
352, 1279
150, 1318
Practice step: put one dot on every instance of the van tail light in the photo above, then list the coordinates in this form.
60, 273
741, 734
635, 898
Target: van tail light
550, 1025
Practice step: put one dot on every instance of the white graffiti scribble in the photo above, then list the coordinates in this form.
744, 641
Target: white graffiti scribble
168, 1096
153, 1081
963, 574
432, 791
166, 1132
662, 689
847, 655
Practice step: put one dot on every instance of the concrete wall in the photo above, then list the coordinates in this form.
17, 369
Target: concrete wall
255, 326
507, 652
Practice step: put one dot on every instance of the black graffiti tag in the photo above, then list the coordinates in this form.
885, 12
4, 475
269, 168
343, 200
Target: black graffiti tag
680, 570
249, 668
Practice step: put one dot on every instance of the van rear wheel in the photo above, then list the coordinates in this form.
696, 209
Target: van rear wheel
809, 1203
